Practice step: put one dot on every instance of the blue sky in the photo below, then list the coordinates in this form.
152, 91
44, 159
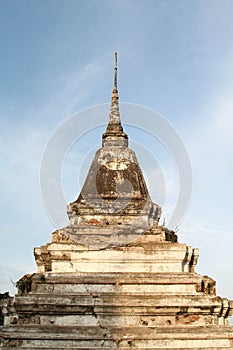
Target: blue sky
175, 57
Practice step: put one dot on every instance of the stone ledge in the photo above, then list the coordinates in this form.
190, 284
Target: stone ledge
145, 257
83, 332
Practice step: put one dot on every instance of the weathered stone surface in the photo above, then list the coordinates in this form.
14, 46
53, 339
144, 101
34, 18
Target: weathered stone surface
140, 257
58, 337
176, 310
114, 278
114, 194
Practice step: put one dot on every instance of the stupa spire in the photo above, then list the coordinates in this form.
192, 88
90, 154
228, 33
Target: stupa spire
114, 127
115, 74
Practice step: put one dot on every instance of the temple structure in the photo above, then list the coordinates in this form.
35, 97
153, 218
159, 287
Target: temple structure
114, 278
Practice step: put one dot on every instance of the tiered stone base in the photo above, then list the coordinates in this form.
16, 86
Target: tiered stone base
119, 311
145, 295
95, 338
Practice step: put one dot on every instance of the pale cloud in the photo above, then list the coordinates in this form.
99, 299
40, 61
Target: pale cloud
78, 86
163, 185
222, 123
201, 231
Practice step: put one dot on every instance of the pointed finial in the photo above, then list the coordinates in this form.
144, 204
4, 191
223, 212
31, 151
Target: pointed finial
115, 72
115, 91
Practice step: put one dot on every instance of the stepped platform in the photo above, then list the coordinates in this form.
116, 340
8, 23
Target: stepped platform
114, 278
144, 337
105, 310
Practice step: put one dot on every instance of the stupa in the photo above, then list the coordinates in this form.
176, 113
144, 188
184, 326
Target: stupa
115, 278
